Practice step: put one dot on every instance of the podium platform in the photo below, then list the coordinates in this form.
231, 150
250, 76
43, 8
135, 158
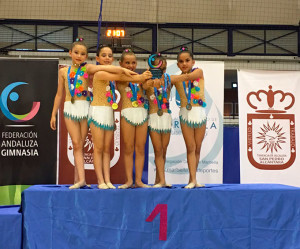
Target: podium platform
10, 227
233, 216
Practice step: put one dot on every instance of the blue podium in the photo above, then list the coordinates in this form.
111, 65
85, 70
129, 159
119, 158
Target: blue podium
10, 227
224, 216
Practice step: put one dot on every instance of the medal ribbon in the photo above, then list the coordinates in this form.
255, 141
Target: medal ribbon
188, 95
113, 89
167, 81
133, 88
157, 99
164, 90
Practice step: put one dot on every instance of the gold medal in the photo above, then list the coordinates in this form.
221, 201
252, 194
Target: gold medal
135, 104
72, 100
114, 106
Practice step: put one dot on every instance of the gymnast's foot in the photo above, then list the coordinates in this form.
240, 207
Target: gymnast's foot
191, 185
162, 185
141, 185
102, 186
126, 185
198, 185
109, 185
78, 185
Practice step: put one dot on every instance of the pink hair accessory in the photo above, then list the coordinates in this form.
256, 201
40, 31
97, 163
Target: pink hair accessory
140, 102
129, 94
111, 102
77, 91
192, 96
155, 101
85, 75
163, 106
107, 94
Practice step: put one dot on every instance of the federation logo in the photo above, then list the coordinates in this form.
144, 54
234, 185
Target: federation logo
271, 131
14, 96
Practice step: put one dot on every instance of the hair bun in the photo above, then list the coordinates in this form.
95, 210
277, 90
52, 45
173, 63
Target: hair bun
183, 48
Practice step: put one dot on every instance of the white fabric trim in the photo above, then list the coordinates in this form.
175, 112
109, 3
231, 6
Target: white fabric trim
78, 110
160, 123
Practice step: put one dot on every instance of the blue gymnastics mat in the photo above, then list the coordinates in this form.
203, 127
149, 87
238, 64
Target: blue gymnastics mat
217, 216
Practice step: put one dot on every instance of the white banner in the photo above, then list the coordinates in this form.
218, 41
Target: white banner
268, 123
210, 168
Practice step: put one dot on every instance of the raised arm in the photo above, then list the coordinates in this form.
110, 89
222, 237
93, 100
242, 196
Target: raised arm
196, 74
57, 99
101, 75
92, 69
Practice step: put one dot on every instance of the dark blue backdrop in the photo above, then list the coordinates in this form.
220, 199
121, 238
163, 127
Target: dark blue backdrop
231, 155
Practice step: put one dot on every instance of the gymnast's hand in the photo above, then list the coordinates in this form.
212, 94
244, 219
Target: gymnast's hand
147, 75
157, 83
53, 123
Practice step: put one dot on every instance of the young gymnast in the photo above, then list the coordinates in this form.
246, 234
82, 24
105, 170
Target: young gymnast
101, 118
134, 117
192, 114
73, 81
160, 120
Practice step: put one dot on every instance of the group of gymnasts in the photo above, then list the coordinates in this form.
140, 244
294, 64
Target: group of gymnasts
145, 107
